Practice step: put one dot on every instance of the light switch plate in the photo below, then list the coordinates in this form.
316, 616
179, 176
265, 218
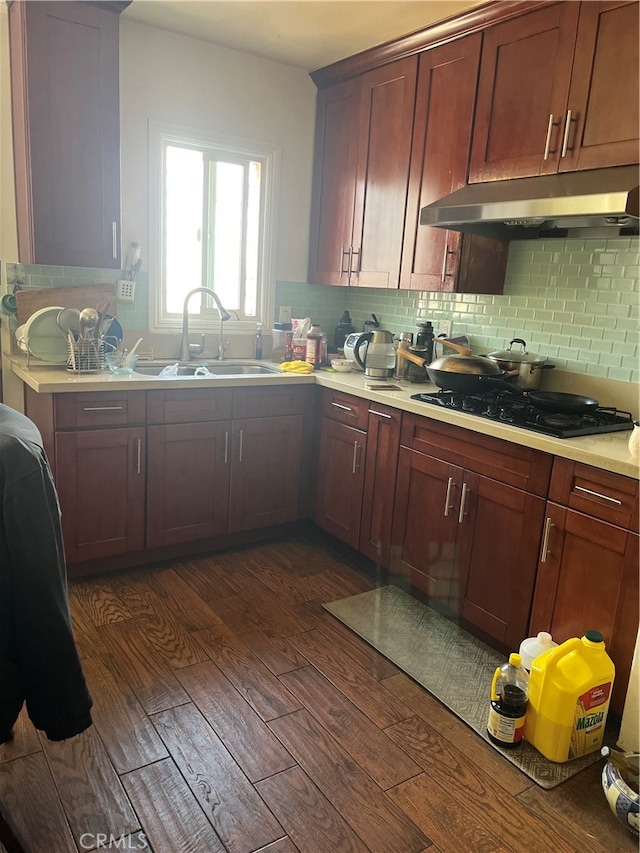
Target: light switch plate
284, 314
125, 290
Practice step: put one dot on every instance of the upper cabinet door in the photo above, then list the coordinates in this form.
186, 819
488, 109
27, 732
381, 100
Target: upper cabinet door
361, 171
386, 121
602, 129
65, 92
439, 157
522, 94
334, 183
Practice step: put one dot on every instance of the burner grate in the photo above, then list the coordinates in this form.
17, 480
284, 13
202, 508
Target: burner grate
498, 406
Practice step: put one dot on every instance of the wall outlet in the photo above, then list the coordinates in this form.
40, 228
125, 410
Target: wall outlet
284, 314
445, 328
125, 290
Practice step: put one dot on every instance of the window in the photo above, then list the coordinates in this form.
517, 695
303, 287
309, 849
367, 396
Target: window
214, 224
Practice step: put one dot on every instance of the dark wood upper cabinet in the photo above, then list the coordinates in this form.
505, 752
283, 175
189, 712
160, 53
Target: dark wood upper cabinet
334, 182
361, 169
604, 88
433, 258
65, 105
558, 91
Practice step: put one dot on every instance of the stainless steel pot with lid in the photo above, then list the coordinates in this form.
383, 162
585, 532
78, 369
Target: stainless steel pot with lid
524, 369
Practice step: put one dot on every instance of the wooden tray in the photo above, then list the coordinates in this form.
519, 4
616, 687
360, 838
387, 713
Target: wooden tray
83, 296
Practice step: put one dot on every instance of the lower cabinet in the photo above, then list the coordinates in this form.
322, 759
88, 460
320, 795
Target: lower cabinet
467, 523
97, 441
158, 468
340, 480
588, 571
101, 488
381, 461
265, 472
188, 481
357, 462
208, 477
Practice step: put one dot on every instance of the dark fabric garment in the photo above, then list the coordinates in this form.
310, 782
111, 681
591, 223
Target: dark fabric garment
39, 662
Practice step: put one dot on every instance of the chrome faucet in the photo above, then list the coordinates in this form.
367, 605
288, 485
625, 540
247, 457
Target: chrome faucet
187, 350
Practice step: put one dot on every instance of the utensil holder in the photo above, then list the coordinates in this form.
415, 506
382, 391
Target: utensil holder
86, 356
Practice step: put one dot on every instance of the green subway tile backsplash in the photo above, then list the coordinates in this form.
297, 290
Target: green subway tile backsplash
575, 301
132, 316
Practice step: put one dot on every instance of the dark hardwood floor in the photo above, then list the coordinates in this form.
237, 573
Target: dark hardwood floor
233, 713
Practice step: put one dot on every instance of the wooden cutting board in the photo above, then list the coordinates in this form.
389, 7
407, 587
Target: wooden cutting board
83, 296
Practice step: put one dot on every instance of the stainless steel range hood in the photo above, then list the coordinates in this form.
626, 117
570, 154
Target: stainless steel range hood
602, 202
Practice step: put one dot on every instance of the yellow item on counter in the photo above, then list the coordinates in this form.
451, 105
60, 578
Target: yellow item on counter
296, 367
569, 693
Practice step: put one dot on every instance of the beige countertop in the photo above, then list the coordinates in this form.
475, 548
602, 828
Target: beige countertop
608, 451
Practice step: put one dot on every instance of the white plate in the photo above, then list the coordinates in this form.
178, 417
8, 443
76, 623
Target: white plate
44, 337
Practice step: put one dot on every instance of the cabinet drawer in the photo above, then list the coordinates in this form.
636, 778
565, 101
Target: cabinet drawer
601, 494
192, 405
508, 463
269, 401
98, 409
345, 408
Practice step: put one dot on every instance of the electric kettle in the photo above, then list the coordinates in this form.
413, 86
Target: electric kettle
379, 361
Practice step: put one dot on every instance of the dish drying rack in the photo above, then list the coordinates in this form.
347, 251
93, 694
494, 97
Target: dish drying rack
87, 356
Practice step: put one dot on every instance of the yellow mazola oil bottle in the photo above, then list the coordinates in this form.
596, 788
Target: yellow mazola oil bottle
569, 693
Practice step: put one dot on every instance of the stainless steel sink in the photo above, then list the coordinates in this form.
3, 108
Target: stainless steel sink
226, 368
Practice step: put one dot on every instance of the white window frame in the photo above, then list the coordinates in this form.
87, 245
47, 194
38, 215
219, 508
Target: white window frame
161, 133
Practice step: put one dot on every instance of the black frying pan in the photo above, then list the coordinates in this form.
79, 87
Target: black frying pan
555, 401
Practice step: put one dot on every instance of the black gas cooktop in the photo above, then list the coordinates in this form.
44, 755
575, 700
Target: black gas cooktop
521, 412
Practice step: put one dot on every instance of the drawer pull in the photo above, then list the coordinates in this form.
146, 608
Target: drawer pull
598, 495
545, 542
379, 414
226, 447
103, 408
340, 406
139, 455
447, 505
463, 500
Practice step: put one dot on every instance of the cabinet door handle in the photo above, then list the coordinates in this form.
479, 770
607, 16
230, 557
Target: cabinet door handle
355, 253
102, 408
241, 444
567, 128
226, 447
114, 240
355, 468
547, 142
340, 406
344, 252
445, 258
379, 414
447, 505
545, 541
139, 456
598, 495
463, 500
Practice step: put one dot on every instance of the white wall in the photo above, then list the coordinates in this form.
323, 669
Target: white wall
178, 80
